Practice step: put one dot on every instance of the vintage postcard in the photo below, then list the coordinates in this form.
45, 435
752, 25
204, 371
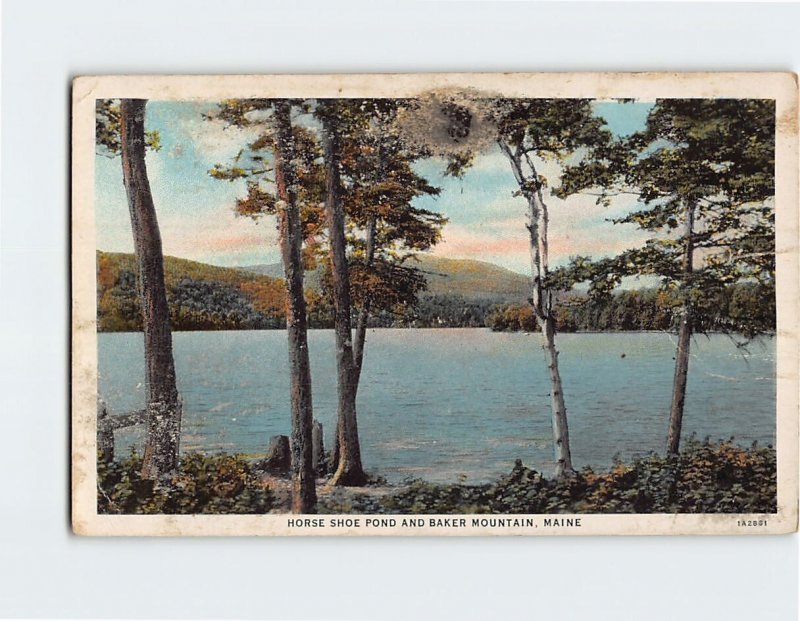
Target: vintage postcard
435, 304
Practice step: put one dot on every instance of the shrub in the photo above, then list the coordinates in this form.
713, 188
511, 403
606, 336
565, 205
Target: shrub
423, 497
220, 484
706, 477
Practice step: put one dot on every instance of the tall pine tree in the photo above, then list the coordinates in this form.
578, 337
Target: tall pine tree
283, 180
703, 171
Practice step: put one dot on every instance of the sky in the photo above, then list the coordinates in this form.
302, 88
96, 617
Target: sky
486, 221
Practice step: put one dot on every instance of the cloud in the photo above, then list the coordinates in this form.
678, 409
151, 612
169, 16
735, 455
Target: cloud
501, 239
223, 238
588, 242
574, 230
502, 242
211, 141
196, 217
214, 142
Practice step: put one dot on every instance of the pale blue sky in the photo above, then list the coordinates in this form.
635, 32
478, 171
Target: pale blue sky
486, 222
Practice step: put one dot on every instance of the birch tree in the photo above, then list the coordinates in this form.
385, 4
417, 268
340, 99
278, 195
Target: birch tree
528, 132
457, 125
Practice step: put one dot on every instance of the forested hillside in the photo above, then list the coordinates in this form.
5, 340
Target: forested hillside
460, 293
646, 309
469, 294
200, 296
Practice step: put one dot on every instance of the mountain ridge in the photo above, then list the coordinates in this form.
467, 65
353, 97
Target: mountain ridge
470, 278
202, 296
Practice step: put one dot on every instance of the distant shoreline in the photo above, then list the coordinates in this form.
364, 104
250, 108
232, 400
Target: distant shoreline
769, 334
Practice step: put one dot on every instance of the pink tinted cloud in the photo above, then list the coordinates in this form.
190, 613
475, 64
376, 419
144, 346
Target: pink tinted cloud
232, 242
224, 236
193, 246
507, 242
463, 243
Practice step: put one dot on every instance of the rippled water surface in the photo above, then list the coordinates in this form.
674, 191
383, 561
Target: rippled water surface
455, 403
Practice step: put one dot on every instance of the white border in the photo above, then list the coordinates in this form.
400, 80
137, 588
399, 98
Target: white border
781, 87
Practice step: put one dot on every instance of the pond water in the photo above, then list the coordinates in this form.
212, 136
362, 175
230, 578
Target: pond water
455, 404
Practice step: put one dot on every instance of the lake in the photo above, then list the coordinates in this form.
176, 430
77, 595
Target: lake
455, 404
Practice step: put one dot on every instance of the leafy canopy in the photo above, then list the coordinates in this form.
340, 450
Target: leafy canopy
708, 163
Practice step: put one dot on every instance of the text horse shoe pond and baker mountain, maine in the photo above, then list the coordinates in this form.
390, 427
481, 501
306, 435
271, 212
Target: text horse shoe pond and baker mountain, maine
456, 304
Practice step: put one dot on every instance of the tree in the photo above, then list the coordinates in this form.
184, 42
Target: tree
703, 171
529, 130
383, 229
120, 129
458, 124
372, 191
295, 181
349, 469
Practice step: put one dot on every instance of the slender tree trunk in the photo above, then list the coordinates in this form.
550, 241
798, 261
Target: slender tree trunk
363, 315
358, 343
361, 323
304, 494
162, 444
559, 409
349, 470
542, 299
684, 343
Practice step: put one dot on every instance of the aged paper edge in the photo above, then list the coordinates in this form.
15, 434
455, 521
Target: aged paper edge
779, 86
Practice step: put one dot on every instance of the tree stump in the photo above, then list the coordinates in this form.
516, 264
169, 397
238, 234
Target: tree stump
279, 455
105, 433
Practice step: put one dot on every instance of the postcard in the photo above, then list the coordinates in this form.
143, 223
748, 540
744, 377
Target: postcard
435, 304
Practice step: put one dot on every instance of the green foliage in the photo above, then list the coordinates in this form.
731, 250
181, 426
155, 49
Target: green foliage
646, 309
461, 294
532, 131
706, 477
703, 171
202, 305
215, 484
107, 128
200, 297
551, 128
513, 318
384, 230
448, 311
430, 310
118, 308
421, 497
255, 163
384, 284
